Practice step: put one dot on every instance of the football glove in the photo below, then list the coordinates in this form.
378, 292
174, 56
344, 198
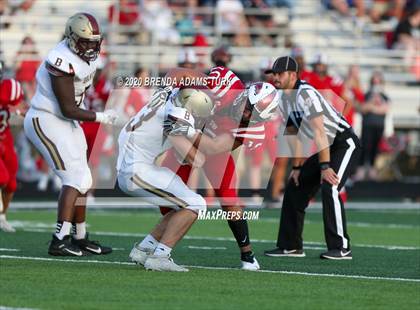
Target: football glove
107, 117
172, 127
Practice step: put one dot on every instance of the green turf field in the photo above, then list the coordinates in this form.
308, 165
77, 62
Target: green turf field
384, 272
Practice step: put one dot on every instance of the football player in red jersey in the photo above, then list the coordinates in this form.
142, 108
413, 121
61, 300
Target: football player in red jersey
10, 95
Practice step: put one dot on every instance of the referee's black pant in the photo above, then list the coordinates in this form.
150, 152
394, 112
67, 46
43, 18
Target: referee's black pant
344, 156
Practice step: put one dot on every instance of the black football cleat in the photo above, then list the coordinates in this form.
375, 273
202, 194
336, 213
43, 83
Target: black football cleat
90, 246
277, 252
337, 254
64, 247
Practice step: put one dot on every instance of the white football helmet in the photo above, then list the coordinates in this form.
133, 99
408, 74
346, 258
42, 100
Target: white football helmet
196, 101
261, 99
83, 36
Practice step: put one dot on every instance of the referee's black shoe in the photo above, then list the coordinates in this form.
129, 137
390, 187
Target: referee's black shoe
90, 246
277, 252
337, 254
64, 247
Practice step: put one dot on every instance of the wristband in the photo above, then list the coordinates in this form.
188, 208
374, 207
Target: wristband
297, 167
191, 132
324, 165
100, 117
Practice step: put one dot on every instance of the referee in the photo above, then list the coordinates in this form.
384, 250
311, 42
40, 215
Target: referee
309, 117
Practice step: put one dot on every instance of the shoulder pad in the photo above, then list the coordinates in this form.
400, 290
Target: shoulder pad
57, 63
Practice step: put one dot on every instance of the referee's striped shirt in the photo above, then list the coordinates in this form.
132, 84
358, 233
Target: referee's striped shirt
305, 103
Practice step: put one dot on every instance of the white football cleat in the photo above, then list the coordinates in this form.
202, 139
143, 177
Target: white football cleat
254, 266
5, 226
162, 263
139, 255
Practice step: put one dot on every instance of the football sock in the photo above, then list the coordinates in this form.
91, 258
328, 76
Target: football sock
240, 232
79, 230
162, 250
149, 242
247, 256
62, 229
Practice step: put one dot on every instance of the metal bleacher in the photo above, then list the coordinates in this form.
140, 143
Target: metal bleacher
308, 24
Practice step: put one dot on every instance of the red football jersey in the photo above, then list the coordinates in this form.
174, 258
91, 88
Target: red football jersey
11, 94
225, 86
97, 95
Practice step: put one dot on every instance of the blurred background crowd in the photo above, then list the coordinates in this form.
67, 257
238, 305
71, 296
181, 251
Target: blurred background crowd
365, 51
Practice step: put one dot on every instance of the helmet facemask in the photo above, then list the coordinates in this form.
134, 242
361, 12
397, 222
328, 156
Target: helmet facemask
87, 49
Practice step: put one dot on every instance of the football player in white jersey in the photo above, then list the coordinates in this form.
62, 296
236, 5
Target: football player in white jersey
52, 125
166, 122
169, 120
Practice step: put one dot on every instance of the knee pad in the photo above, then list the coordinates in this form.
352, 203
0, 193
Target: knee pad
80, 179
197, 204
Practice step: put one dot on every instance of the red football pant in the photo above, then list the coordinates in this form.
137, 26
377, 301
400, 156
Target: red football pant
95, 138
8, 162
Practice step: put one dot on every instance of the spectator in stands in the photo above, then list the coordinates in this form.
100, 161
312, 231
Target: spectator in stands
187, 19
263, 18
125, 14
200, 41
3, 11
344, 6
158, 19
353, 91
407, 37
386, 9
331, 86
8, 7
304, 74
374, 110
26, 63
187, 58
233, 22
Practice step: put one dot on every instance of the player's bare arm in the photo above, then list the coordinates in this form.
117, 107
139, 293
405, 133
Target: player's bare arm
187, 151
220, 144
63, 87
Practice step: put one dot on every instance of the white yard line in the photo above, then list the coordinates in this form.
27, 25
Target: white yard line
215, 268
206, 247
8, 250
357, 224
138, 235
15, 308
136, 203
34, 224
